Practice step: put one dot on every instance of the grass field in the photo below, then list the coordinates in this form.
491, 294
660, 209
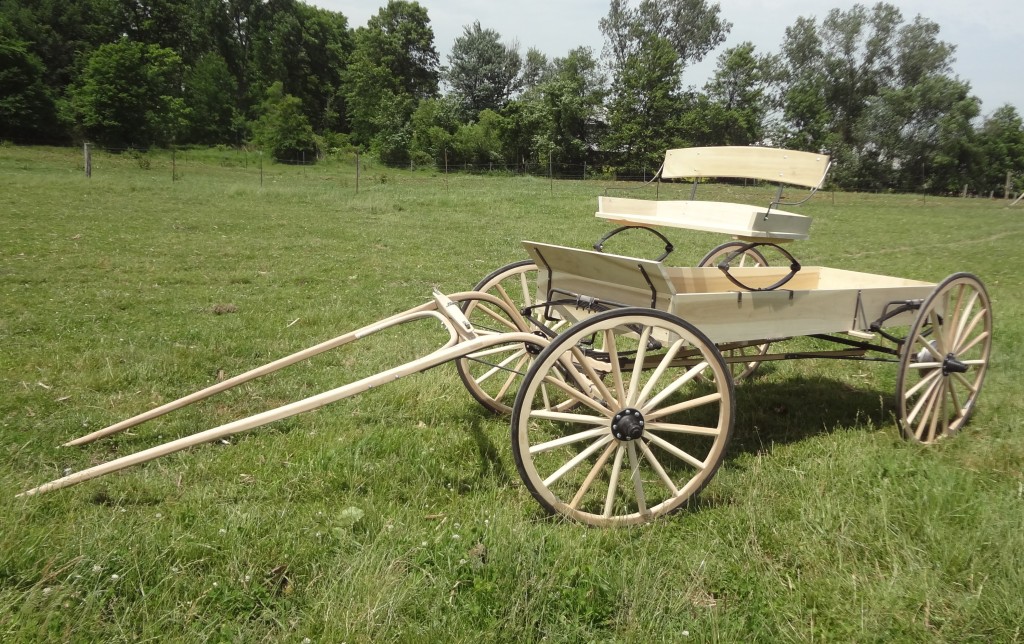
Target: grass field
399, 515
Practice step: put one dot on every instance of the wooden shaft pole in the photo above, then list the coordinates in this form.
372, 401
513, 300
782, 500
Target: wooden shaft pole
451, 351
249, 375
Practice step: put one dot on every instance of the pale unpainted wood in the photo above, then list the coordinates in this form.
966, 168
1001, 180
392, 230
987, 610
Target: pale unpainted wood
452, 350
739, 220
839, 301
252, 374
768, 164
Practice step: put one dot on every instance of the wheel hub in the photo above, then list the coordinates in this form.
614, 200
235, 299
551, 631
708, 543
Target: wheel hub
952, 365
628, 424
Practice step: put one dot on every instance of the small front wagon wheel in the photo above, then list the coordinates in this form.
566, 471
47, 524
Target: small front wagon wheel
944, 359
493, 377
654, 413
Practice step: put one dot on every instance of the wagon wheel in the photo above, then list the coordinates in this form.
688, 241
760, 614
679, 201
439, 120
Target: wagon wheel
493, 376
650, 428
750, 257
944, 359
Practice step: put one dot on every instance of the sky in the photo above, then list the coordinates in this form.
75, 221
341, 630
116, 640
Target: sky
988, 34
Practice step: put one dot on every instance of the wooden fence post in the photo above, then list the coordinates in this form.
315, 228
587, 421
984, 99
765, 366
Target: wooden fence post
88, 162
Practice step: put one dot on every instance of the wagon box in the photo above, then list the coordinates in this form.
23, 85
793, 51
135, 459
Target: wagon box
816, 300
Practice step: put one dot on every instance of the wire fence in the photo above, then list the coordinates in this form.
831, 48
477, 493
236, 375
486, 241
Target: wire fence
362, 171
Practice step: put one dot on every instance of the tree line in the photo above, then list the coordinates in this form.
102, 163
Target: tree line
869, 85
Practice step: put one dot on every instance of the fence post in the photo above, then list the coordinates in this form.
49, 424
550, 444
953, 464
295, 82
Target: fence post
551, 173
88, 162
261, 168
174, 163
446, 170
357, 173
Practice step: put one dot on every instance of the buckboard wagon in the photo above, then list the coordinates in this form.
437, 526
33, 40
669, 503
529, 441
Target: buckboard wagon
618, 372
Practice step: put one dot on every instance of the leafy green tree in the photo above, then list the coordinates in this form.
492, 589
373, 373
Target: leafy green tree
648, 48
919, 137
1001, 139
479, 143
26, 107
642, 112
394, 66
129, 94
571, 99
482, 71
210, 95
536, 69
737, 97
282, 129
433, 124
306, 49
692, 28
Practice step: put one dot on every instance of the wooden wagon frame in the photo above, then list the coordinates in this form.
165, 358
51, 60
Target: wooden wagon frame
618, 372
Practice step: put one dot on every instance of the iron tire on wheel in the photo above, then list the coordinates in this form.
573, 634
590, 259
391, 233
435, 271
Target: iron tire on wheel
649, 430
944, 360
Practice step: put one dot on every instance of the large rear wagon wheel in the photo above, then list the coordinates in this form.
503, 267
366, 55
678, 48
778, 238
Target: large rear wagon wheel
749, 258
654, 414
944, 359
493, 377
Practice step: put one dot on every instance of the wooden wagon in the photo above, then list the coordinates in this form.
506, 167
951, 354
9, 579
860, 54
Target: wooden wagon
618, 372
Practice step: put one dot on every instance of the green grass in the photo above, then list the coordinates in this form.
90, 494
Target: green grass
399, 515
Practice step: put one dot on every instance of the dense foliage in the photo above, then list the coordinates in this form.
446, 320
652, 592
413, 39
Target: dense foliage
870, 86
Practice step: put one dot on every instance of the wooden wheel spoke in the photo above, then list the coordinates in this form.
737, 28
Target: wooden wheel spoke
587, 398
964, 333
933, 395
923, 400
674, 386
566, 440
613, 358
652, 382
924, 381
924, 342
675, 451
963, 313
659, 470
513, 306
638, 365
638, 485
683, 406
957, 308
576, 460
524, 283
494, 315
959, 377
682, 429
973, 343
594, 378
925, 365
613, 482
594, 471
955, 399
564, 417
512, 376
503, 366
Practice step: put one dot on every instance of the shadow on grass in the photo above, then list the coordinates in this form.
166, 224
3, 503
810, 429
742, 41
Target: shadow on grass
794, 409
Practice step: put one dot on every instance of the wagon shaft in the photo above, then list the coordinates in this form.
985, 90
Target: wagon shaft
462, 342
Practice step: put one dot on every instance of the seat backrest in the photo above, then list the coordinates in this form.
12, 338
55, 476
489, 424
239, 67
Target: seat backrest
792, 167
